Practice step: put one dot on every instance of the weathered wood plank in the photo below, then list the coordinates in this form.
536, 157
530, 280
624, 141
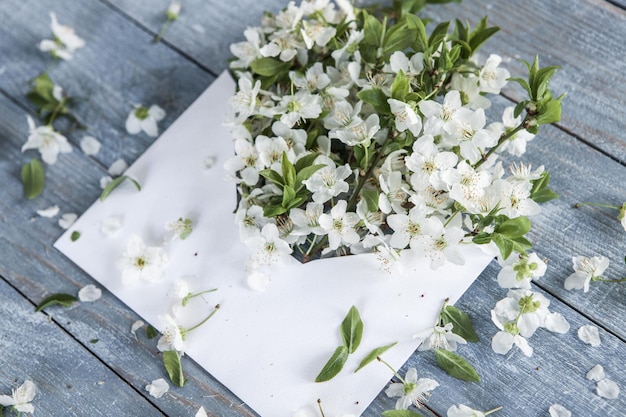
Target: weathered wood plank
34, 347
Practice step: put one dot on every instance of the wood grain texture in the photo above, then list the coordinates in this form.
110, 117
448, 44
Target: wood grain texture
120, 67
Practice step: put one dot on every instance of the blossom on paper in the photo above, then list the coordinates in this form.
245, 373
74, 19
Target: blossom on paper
586, 269
158, 387
49, 212
596, 373
607, 389
172, 338
439, 337
90, 145
590, 335
139, 262
412, 391
46, 140
89, 293
329, 181
142, 118
268, 247
339, 225
65, 41
518, 271
67, 220
20, 398
557, 410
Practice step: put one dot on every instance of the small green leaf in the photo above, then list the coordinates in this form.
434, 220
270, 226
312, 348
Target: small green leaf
306, 173
75, 236
65, 300
33, 179
399, 37
289, 194
374, 354
273, 176
151, 332
94, 341
456, 366
289, 172
334, 364
401, 413
352, 329
515, 227
504, 244
269, 67
171, 360
400, 87
371, 198
376, 98
461, 323
115, 183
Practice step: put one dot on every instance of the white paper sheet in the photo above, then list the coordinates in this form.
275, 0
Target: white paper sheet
267, 347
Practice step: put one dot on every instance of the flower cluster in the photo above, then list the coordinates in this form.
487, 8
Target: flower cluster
356, 134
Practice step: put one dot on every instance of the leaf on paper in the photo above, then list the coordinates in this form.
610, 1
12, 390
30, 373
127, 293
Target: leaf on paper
75, 236
33, 179
401, 413
334, 364
171, 360
65, 300
461, 323
115, 183
352, 330
374, 354
456, 366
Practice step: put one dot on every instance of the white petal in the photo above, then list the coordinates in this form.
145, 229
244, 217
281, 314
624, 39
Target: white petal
67, 220
523, 345
557, 410
201, 412
158, 387
110, 226
49, 212
502, 343
555, 322
89, 293
156, 112
596, 373
133, 124
607, 389
590, 335
149, 126
258, 280
104, 181
118, 167
6, 400
136, 326
90, 145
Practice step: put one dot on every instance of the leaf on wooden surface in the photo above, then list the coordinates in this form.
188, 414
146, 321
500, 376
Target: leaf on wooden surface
94, 341
461, 323
151, 332
456, 366
171, 360
334, 365
401, 413
115, 183
352, 330
374, 354
62, 299
33, 179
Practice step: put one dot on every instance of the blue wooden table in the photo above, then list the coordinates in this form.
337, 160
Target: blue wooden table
84, 360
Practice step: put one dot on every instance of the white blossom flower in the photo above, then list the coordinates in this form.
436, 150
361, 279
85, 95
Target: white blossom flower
405, 117
412, 391
117, 167
467, 131
246, 162
49, 212
172, 338
503, 341
90, 145
141, 262
258, 280
596, 373
398, 61
249, 50
110, 226
491, 79
427, 162
244, 101
65, 41
441, 243
439, 115
307, 221
393, 193
158, 387
46, 140
590, 335
316, 33
268, 247
67, 220
516, 144
359, 131
89, 293
173, 10
407, 229
340, 226
142, 118
586, 269
20, 398
607, 389
328, 182
518, 271
557, 410
439, 338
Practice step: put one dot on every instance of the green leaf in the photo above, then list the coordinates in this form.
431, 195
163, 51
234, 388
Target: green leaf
115, 183
376, 98
273, 176
75, 236
504, 244
399, 37
374, 354
62, 299
289, 172
461, 323
372, 30
550, 112
306, 173
401, 413
171, 360
371, 198
306, 160
515, 227
269, 67
33, 179
544, 195
289, 194
456, 366
400, 87
334, 365
94, 341
352, 329
273, 210
151, 332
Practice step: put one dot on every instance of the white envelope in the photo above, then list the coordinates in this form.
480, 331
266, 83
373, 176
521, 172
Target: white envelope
266, 347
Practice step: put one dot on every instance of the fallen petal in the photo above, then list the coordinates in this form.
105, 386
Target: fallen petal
607, 389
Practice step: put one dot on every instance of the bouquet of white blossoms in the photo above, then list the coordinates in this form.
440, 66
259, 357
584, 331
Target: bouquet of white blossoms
357, 130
